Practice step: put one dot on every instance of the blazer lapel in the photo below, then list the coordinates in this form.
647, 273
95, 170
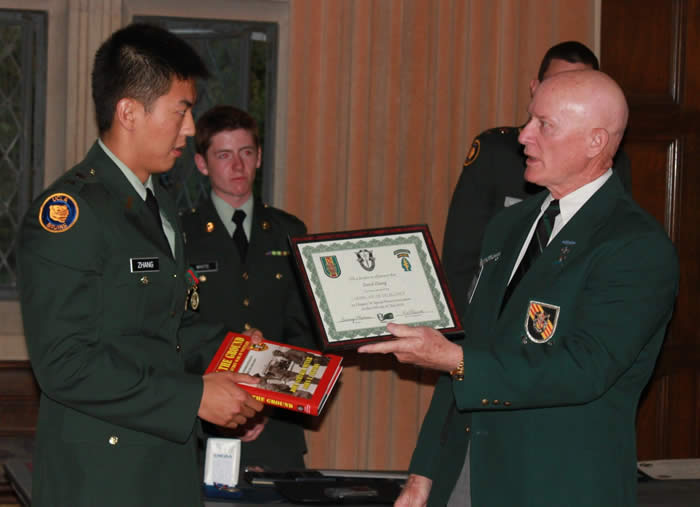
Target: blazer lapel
573, 239
514, 244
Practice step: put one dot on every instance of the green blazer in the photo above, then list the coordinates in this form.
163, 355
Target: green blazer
552, 423
262, 293
491, 179
118, 360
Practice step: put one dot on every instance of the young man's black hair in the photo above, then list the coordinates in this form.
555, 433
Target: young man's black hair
139, 61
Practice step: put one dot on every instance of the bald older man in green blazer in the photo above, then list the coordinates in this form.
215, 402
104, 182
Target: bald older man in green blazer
539, 406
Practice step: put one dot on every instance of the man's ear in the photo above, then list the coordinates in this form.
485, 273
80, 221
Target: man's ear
125, 113
598, 141
201, 164
533, 86
257, 165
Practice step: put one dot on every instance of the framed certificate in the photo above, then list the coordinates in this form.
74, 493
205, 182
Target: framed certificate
358, 281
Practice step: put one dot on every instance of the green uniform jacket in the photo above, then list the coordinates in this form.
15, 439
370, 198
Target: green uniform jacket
262, 293
111, 348
492, 178
552, 424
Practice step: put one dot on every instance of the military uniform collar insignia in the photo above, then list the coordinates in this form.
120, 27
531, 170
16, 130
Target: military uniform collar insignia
566, 247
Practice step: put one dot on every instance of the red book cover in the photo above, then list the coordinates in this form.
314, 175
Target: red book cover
292, 377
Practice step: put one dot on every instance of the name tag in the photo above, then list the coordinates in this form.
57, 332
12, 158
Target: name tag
144, 264
205, 267
494, 257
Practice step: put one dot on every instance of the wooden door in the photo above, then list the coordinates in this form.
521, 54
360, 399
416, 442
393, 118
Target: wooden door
652, 49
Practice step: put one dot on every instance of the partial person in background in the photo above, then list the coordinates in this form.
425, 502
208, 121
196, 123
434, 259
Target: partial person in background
492, 178
103, 290
536, 405
239, 247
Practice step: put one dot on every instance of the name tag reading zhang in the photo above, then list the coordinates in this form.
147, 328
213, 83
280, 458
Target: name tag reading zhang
144, 264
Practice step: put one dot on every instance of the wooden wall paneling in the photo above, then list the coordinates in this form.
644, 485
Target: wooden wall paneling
653, 54
654, 163
19, 399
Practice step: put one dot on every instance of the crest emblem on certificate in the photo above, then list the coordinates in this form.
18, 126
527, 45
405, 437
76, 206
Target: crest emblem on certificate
402, 254
330, 265
366, 259
541, 321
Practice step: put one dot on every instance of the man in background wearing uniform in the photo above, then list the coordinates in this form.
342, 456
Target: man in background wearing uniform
492, 179
117, 356
239, 247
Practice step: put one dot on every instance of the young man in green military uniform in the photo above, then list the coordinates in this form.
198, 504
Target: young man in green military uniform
492, 178
576, 287
103, 292
246, 272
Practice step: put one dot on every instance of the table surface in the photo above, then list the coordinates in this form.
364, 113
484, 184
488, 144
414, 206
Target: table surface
651, 493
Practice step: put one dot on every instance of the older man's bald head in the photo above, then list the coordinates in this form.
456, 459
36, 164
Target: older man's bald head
577, 120
596, 97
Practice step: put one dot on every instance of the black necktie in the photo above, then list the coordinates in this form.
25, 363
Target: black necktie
152, 204
538, 242
239, 237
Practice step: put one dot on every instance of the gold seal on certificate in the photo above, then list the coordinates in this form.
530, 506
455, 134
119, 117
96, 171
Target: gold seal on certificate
358, 281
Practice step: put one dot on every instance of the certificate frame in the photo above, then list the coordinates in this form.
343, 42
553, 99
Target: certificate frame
345, 299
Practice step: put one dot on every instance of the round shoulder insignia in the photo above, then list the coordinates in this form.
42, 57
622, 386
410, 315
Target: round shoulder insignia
58, 213
473, 153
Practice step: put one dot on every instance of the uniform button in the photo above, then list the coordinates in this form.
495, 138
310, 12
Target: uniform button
506, 403
113, 440
278, 276
202, 278
266, 225
144, 280
496, 402
92, 172
484, 402
245, 275
246, 326
246, 302
175, 276
467, 429
178, 348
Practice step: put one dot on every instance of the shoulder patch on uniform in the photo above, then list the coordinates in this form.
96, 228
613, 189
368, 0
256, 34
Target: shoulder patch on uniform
58, 213
473, 153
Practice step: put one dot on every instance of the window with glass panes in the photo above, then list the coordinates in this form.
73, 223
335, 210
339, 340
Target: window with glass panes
22, 109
